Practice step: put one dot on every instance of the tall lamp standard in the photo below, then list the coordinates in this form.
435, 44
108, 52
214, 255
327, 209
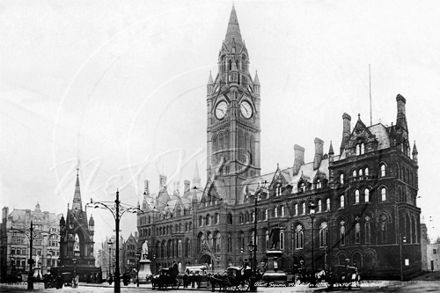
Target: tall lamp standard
138, 258
117, 210
110, 243
312, 211
401, 240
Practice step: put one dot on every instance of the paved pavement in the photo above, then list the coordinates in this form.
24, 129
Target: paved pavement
366, 286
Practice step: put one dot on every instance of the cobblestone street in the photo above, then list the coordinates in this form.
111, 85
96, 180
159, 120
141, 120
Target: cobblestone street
368, 286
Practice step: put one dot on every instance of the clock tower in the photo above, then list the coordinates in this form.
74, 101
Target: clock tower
233, 130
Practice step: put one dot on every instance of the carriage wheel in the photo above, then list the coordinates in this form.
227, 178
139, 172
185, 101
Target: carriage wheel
244, 286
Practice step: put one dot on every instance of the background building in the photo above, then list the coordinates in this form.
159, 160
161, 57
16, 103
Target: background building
433, 256
129, 255
365, 194
15, 245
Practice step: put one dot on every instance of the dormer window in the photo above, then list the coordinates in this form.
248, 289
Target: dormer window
278, 190
303, 187
318, 184
360, 149
361, 174
354, 174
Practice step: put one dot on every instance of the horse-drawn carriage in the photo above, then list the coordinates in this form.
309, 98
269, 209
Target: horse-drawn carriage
166, 278
232, 279
344, 276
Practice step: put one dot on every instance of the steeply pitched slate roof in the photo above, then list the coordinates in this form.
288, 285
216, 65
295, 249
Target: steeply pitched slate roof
381, 133
306, 171
251, 185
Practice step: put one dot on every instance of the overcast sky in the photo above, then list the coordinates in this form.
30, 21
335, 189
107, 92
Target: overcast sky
121, 87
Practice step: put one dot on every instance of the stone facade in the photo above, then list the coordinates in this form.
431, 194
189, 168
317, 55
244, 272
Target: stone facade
15, 246
365, 195
433, 256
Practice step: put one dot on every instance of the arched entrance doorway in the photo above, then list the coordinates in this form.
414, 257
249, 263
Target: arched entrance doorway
206, 260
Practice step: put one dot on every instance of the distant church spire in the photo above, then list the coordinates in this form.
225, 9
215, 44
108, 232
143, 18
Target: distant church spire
77, 203
196, 180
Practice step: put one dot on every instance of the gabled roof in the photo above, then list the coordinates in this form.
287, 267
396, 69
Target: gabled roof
381, 133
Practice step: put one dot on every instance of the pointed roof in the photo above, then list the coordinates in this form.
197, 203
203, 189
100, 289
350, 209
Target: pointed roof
210, 79
77, 203
256, 79
415, 152
330, 150
196, 179
233, 34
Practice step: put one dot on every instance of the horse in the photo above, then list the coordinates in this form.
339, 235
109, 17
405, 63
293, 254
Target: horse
221, 280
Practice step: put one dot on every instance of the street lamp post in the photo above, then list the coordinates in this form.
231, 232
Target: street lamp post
110, 243
312, 216
74, 284
49, 256
117, 210
138, 258
30, 284
402, 239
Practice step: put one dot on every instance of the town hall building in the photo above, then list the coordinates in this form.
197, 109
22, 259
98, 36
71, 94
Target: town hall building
364, 193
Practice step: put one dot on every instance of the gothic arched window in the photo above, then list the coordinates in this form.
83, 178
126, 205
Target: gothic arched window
383, 194
357, 233
383, 229
342, 233
299, 237
76, 244
382, 170
356, 196
366, 195
323, 234
367, 230
341, 201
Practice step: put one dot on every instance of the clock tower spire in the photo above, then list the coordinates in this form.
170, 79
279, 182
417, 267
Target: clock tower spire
233, 108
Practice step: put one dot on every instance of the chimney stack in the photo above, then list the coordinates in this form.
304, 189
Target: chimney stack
146, 188
187, 186
299, 158
401, 122
346, 130
319, 153
163, 181
401, 102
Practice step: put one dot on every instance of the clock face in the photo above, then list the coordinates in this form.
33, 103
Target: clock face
220, 110
246, 109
